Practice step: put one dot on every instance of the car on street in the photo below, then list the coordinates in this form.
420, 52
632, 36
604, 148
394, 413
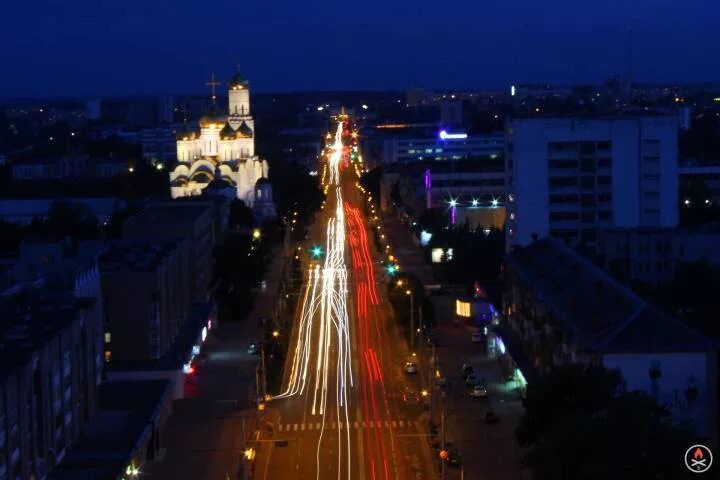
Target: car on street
411, 397
478, 391
410, 367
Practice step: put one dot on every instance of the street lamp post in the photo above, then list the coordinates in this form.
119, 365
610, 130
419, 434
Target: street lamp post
412, 319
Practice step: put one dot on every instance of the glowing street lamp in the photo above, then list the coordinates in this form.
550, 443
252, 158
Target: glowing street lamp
453, 207
256, 233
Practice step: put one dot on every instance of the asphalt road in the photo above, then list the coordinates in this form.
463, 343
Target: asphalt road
352, 412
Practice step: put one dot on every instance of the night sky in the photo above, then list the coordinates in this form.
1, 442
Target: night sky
104, 47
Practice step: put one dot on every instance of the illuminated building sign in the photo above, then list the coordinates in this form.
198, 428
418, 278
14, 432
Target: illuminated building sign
444, 135
462, 309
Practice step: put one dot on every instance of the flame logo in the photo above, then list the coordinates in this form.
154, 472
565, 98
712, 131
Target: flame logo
698, 454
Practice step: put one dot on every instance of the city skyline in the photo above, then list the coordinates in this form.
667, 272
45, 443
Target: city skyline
90, 49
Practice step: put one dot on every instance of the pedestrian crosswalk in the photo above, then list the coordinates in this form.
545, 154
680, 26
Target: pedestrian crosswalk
317, 426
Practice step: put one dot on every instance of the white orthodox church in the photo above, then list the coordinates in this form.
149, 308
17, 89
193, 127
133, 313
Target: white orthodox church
221, 156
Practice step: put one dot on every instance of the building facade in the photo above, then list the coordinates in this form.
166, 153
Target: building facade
193, 221
441, 146
51, 368
154, 276
652, 255
571, 177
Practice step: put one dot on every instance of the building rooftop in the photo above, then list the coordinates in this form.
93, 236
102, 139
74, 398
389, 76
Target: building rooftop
171, 213
603, 314
29, 317
136, 256
125, 412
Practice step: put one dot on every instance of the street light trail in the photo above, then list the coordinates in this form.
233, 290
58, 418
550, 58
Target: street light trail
325, 304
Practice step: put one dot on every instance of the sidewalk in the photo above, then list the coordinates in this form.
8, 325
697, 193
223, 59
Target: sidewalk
203, 439
487, 451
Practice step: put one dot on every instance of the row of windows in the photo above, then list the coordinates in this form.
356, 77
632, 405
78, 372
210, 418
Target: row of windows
585, 164
497, 182
585, 216
584, 148
586, 182
587, 199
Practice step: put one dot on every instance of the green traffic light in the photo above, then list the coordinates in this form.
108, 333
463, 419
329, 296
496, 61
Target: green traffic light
316, 252
391, 269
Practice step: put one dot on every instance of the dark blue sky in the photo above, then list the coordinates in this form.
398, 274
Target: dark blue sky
107, 47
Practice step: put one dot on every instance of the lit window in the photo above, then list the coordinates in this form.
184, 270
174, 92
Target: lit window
108, 337
108, 355
259, 193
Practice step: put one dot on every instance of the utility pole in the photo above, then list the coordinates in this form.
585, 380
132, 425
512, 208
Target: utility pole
412, 321
264, 376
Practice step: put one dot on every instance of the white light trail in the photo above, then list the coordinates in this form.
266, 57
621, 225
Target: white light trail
325, 305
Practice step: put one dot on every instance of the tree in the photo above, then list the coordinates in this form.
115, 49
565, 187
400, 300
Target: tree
66, 219
577, 427
569, 388
113, 229
241, 215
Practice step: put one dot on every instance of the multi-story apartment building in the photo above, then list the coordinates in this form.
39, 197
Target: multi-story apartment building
652, 255
51, 366
193, 221
571, 177
145, 297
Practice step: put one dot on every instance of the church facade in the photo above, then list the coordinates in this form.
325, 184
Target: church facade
220, 156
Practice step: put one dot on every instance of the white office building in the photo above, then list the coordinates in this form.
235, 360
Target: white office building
443, 146
570, 177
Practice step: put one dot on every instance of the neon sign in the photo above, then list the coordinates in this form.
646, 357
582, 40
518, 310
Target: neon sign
444, 135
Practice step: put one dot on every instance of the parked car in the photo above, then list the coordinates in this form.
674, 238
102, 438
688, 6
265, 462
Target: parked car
410, 367
199, 360
453, 458
490, 417
254, 347
478, 391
